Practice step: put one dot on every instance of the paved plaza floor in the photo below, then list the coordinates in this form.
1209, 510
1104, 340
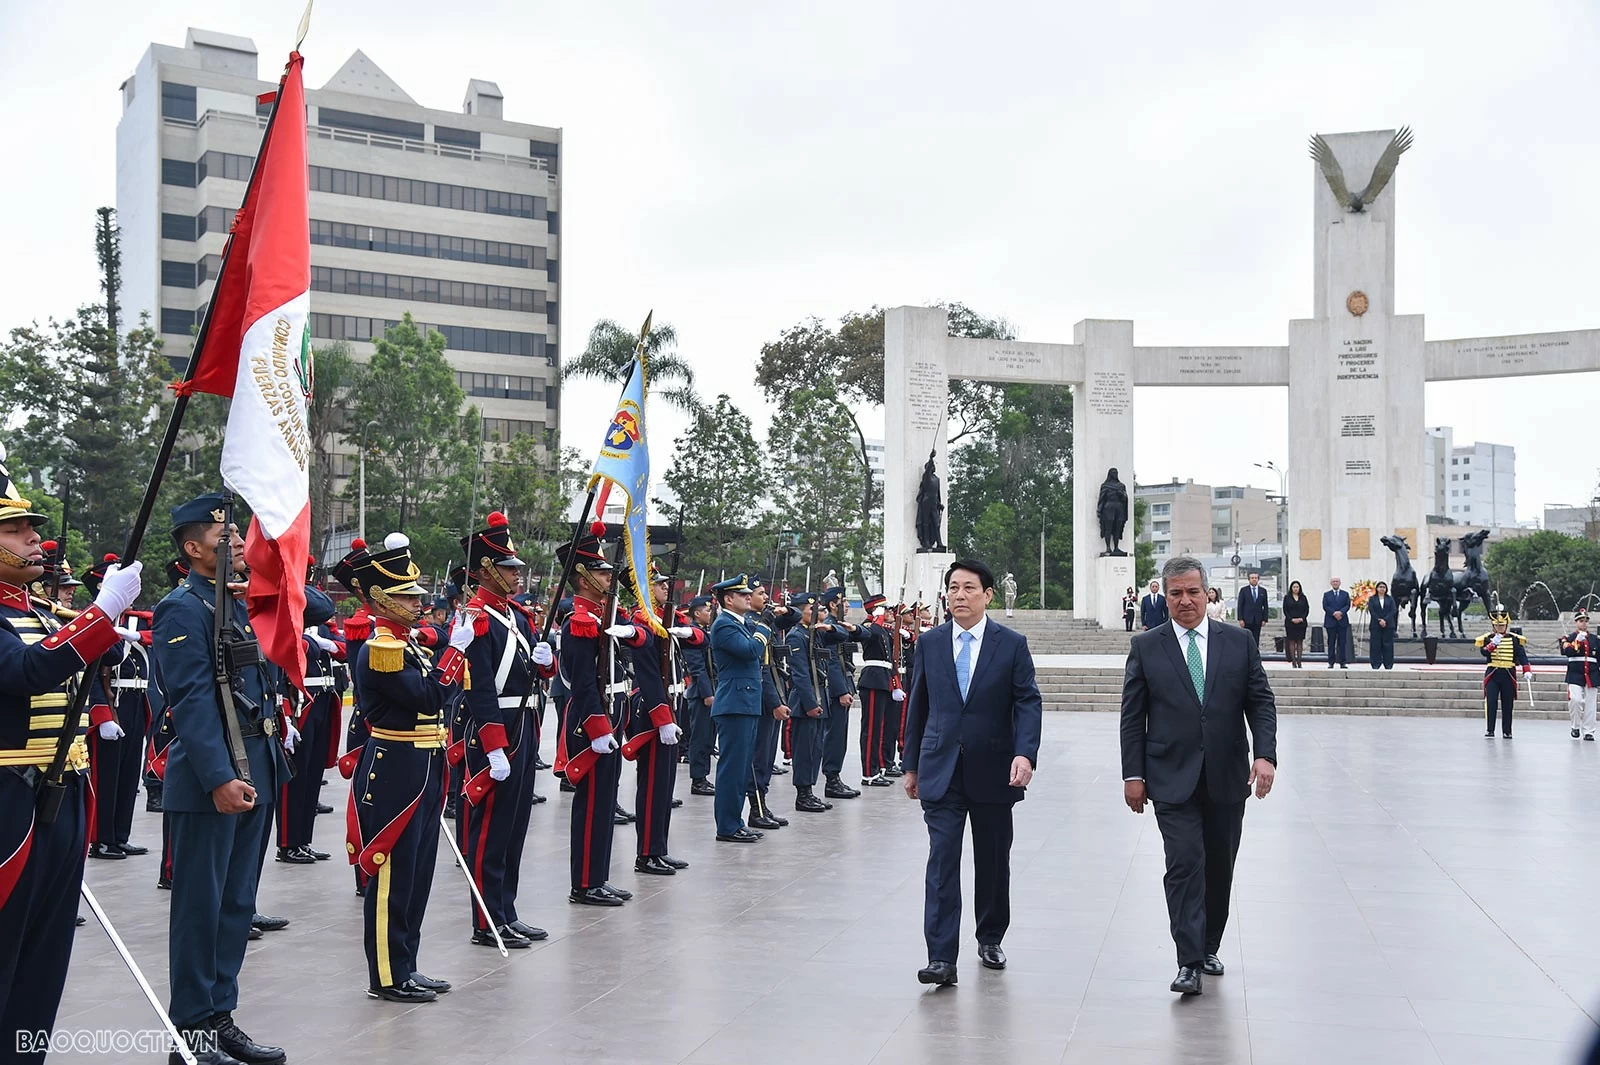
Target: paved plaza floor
1411, 893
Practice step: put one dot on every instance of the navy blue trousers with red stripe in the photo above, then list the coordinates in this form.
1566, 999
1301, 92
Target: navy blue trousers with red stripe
594, 805
298, 796
492, 832
874, 717
114, 768
41, 867
657, 775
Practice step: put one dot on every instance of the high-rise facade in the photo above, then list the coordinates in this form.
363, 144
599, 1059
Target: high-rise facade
1474, 484
453, 216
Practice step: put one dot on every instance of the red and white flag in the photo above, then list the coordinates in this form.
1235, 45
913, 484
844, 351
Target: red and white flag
256, 349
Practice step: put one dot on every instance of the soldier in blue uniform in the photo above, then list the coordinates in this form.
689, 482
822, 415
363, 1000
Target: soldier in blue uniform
119, 716
397, 777
221, 776
498, 737
312, 713
42, 660
739, 648
877, 689
653, 731
161, 736
830, 635
808, 680
774, 622
595, 715
702, 729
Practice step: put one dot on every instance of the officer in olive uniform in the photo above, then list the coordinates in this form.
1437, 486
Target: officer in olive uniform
1506, 652
808, 680
774, 622
312, 714
224, 767
116, 744
42, 661
498, 737
397, 777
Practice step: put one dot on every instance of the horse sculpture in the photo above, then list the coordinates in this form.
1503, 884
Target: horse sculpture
1440, 587
1404, 586
1473, 581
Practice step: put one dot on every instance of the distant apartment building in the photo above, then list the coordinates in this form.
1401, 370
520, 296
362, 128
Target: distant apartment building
1473, 484
453, 216
1197, 519
1574, 521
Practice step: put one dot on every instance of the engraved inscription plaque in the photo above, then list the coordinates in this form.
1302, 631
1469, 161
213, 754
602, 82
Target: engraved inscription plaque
1358, 543
1310, 545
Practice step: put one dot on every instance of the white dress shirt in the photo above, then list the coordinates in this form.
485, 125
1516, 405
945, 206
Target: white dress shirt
977, 639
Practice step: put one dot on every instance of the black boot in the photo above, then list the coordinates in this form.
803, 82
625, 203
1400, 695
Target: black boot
702, 786
806, 801
838, 789
232, 1041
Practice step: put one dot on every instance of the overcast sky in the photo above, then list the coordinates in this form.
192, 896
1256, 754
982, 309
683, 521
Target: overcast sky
741, 167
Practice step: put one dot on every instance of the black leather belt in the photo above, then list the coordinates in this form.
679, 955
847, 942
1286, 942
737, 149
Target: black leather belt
251, 729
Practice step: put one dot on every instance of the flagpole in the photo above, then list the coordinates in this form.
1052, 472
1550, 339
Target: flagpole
566, 568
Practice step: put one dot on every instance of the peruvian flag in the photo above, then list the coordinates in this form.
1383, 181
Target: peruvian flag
255, 347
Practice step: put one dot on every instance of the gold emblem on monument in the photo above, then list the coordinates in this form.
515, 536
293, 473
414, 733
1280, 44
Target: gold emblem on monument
1356, 303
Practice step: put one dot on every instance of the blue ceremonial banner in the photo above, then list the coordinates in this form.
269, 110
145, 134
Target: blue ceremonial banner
624, 461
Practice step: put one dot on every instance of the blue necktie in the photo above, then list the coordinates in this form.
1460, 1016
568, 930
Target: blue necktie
964, 664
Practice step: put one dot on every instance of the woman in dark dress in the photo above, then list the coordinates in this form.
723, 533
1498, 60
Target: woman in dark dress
1296, 608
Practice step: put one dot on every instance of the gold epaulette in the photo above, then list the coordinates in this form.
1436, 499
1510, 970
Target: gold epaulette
386, 653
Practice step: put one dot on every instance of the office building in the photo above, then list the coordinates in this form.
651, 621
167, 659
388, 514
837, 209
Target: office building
453, 216
1472, 484
1197, 519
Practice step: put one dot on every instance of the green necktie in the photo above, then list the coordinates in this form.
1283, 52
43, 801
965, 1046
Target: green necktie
1197, 671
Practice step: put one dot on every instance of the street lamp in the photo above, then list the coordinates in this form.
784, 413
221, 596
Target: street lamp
1283, 505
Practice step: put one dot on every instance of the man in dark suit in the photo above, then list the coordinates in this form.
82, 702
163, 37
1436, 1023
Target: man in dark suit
1153, 608
971, 745
1336, 623
1252, 606
1189, 689
1384, 615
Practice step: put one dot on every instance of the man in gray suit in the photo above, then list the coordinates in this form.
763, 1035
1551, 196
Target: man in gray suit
1190, 687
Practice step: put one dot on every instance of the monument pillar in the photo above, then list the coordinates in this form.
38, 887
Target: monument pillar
916, 391
1102, 438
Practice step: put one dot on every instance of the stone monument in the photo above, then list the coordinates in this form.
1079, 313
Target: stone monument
1355, 372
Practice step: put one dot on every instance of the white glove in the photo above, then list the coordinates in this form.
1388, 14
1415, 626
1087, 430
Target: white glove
324, 643
499, 765
128, 633
291, 735
621, 632
898, 695
119, 589
461, 632
542, 655
1494, 641
605, 744
905, 634
682, 632
669, 734
110, 730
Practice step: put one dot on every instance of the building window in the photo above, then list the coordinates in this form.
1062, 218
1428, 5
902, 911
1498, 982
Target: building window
177, 101
426, 245
427, 193
213, 220
1163, 528
456, 337
225, 165
427, 290
177, 227
502, 430
1160, 510
554, 220
207, 269
1455, 477
1466, 476
390, 127
176, 321
463, 138
499, 386
553, 270
1455, 491
177, 172
177, 275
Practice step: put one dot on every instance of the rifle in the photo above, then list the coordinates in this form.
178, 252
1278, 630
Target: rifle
232, 653
61, 547
669, 613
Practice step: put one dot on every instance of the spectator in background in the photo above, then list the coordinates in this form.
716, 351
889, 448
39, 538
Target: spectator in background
1252, 606
1153, 608
1216, 609
1296, 608
1130, 607
1336, 623
1383, 615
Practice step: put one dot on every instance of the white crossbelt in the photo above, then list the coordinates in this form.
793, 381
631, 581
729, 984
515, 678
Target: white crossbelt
511, 702
873, 663
617, 688
675, 689
319, 682
135, 684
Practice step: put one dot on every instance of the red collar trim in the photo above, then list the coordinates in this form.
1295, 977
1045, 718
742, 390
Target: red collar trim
585, 603
393, 628
12, 596
492, 597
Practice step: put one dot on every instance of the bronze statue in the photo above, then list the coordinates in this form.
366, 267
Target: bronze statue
1404, 585
930, 510
1333, 173
1112, 510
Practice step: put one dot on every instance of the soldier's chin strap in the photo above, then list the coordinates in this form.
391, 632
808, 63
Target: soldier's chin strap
392, 609
489, 574
10, 558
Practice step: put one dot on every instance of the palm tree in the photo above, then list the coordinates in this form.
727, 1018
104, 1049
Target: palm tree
609, 357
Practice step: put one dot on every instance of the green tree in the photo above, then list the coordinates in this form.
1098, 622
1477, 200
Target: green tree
1144, 551
609, 357
1568, 565
719, 478
337, 379
535, 497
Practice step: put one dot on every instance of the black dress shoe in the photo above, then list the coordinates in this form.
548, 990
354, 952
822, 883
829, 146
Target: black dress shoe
322, 807
268, 924
254, 933
615, 892
744, 835
992, 956
540, 763
407, 992
781, 821
450, 811
779, 771
592, 897
80, 921
807, 802
485, 938
203, 1057
109, 851
132, 849
676, 802
529, 932
537, 798
231, 1040
1188, 980
701, 786
1574, 731
152, 804
942, 973
878, 781
164, 883
320, 856
566, 785
763, 821
653, 866
294, 856
676, 863
838, 789
894, 771
623, 817
438, 987
1212, 966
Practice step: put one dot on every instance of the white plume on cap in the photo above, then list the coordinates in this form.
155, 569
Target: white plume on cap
395, 541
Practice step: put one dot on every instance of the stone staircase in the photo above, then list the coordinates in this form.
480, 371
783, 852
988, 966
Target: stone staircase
1402, 693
